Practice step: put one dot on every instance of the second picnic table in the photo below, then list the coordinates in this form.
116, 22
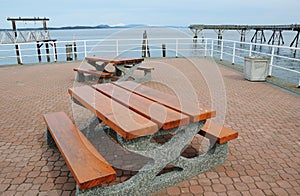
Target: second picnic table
124, 68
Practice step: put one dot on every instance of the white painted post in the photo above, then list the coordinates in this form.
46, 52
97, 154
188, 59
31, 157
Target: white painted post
54, 54
233, 53
222, 46
176, 53
84, 44
271, 61
117, 47
212, 48
250, 50
205, 48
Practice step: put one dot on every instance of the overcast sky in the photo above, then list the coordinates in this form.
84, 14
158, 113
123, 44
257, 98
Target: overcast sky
152, 12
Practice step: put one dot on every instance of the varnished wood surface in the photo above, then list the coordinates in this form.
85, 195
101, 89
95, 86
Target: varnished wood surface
126, 122
115, 60
87, 166
218, 133
133, 110
94, 72
165, 117
193, 110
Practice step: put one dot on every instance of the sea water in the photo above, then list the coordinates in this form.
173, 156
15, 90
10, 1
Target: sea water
155, 46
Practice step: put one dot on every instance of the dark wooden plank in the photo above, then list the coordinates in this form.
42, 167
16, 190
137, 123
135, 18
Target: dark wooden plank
126, 122
115, 60
86, 164
193, 110
165, 117
218, 133
94, 72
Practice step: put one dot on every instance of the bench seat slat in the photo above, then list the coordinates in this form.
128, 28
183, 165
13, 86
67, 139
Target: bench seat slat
126, 122
94, 72
163, 116
218, 133
194, 111
87, 166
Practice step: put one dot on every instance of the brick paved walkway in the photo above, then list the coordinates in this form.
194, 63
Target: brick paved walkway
264, 160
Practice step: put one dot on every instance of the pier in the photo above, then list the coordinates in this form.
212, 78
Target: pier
258, 37
41, 37
264, 160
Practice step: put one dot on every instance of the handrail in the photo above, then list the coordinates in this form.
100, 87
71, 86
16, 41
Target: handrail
232, 51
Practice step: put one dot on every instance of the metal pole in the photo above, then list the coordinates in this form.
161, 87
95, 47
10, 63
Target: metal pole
39, 51
75, 50
54, 51
117, 47
222, 47
176, 48
163, 46
233, 54
212, 48
20, 55
205, 48
250, 50
84, 44
271, 61
47, 51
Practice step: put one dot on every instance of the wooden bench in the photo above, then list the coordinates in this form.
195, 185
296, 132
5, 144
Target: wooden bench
217, 133
87, 166
136, 116
97, 74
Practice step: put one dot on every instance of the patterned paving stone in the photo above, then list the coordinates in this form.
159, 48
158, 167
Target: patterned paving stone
264, 160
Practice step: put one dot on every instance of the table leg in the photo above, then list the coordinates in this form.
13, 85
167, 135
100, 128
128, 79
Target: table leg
149, 179
97, 66
90, 126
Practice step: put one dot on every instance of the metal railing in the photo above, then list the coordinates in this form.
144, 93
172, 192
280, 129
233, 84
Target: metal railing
284, 61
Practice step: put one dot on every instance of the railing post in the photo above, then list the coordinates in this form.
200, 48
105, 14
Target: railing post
212, 48
271, 61
176, 50
20, 55
117, 47
54, 51
233, 53
250, 50
84, 44
205, 48
222, 47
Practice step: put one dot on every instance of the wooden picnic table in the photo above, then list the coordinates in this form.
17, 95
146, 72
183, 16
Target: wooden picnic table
124, 66
136, 114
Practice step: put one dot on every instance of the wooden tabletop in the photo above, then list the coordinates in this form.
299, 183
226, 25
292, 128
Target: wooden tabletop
137, 111
119, 60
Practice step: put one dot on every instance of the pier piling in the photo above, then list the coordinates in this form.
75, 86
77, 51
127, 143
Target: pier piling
163, 46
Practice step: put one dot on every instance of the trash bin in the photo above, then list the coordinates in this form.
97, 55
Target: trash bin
256, 68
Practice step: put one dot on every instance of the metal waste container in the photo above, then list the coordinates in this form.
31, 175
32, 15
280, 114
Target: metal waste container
256, 68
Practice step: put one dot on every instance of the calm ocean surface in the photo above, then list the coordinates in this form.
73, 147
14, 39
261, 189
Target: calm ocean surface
137, 33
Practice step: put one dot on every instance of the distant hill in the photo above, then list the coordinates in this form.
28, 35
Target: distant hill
102, 26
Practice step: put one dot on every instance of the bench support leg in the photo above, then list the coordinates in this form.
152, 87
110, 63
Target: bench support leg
129, 74
90, 126
80, 77
149, 179
50, 142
